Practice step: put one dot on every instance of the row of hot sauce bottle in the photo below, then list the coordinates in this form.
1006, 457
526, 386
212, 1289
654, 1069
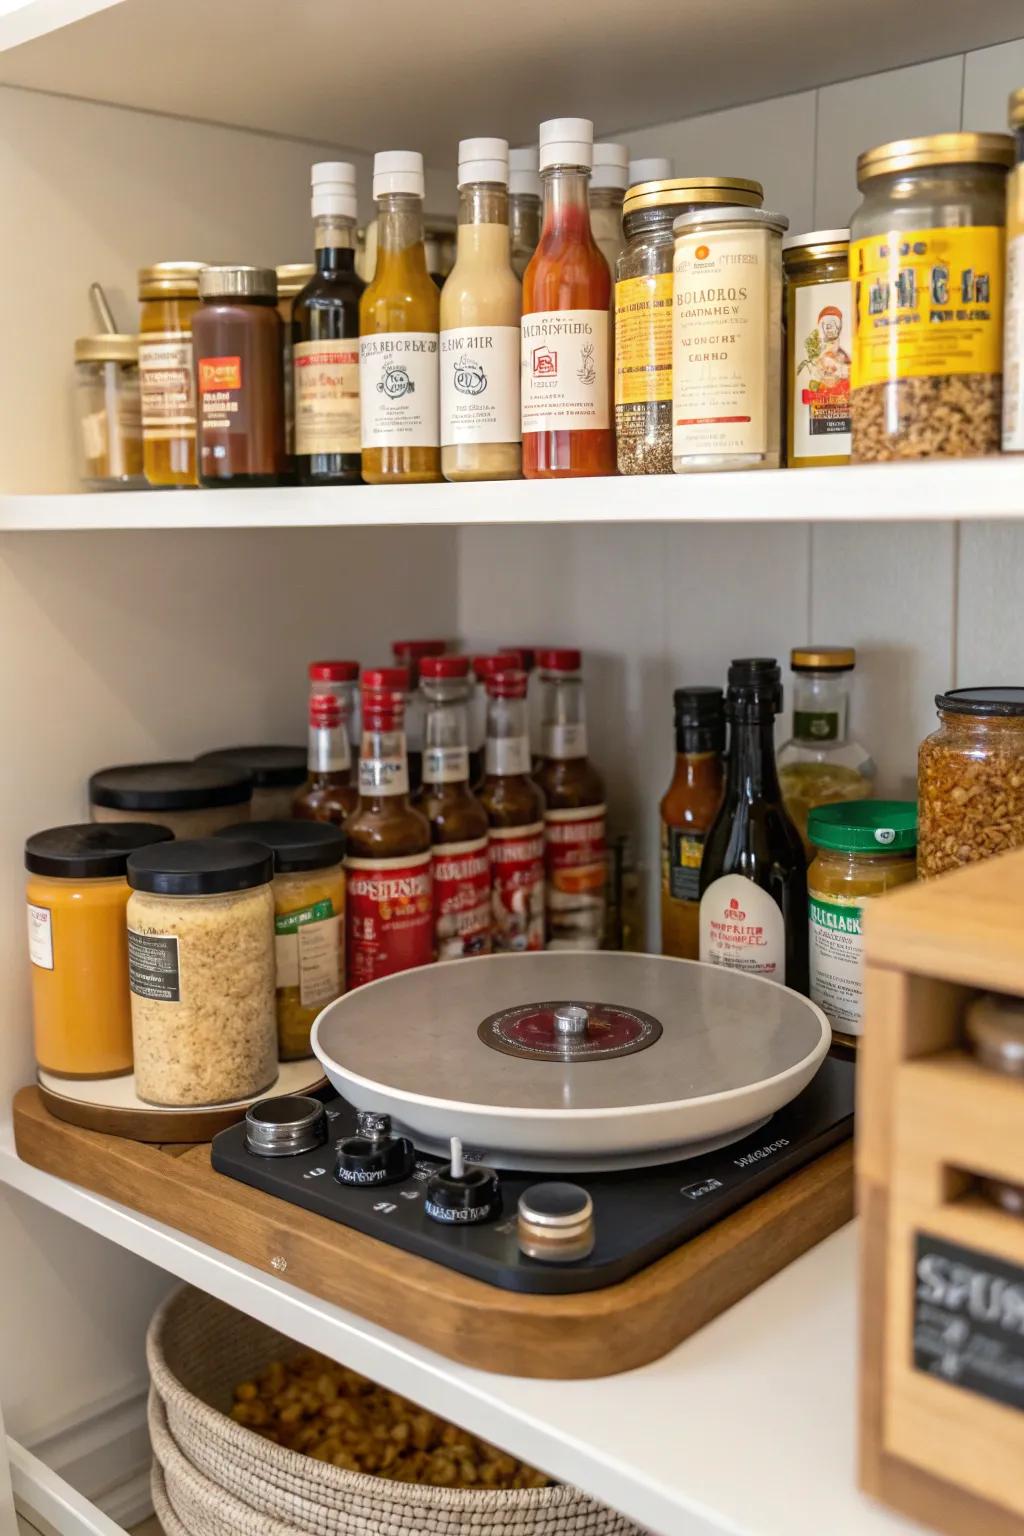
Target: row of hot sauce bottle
456, 850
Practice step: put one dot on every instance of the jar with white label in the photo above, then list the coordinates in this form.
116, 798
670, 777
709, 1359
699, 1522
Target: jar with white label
727, 339
818, 347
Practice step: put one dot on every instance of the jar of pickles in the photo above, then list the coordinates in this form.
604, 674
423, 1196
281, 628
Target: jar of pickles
970, 779
168, 298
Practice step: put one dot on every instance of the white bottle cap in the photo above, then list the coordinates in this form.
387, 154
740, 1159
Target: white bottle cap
566, 141
523, 175
483, 160
398, 170
334, 189
657, 168
611, 166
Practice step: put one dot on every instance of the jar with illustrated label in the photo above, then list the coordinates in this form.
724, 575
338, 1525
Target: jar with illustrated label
1013, 331
238, 342
109, 413
926, 265
727, 339
816, 267
168, 298
970, 779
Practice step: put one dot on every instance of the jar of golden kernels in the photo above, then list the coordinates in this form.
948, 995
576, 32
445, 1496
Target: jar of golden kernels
970, 779
168, 298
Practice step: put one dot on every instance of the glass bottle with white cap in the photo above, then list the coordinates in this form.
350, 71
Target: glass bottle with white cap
325, 337
566, 352
653, 168
608, 182
481, 305
523, 205
398, 326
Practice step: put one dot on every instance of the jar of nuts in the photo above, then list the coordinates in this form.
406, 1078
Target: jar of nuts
971, 779
927, 264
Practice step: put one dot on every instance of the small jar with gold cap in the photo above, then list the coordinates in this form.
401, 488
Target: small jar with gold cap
107, 398
816, 272
168, 298
821, 763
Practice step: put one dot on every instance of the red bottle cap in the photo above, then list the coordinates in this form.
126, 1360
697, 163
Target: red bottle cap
559, 659
444, 666
507, 683
324, 710
527, 653
386, 680
483, 666
413, 650
333, 671
384, 691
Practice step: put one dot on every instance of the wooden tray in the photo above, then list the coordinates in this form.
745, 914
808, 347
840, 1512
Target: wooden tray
593, 1334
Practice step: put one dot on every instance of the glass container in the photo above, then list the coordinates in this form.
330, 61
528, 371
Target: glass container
1013, 333
816, 268
292, 277
168, 298
820, 763
688, 810
192, 799
276, 774
523, 206
109, 412
970, 779
238, 344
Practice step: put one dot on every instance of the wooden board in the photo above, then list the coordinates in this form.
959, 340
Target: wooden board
594, 1334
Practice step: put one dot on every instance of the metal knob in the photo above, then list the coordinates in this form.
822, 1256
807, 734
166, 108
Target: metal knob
285, 1126
372, 1124
572, 1020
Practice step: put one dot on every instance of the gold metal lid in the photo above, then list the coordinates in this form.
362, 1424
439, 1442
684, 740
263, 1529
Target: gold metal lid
170, 280
818, 245
935, 149
229, 281
823, 658
292, 277
1016, 108
111, 347
687, 191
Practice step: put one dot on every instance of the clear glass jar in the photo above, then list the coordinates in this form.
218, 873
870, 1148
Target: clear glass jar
816, 268
168, 298
109, 413
277, 774
970, 779
820, 764
926, 260
192, 799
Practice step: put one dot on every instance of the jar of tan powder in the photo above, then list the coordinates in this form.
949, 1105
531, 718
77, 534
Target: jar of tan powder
193, 799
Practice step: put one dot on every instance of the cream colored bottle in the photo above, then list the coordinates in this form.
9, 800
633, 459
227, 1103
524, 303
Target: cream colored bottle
481, 306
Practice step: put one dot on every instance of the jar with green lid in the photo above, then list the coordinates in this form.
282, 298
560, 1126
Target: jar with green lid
643, 311
168, 298
816, 269
1013, 331
863, 849
927, 263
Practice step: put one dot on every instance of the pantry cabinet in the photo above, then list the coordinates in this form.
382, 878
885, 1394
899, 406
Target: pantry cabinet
146, 624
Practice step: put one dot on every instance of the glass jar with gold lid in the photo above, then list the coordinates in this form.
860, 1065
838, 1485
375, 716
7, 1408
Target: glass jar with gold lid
816, 272
107, 389
168, 298
643, 311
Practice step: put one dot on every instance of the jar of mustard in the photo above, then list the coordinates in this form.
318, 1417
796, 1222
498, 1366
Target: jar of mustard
862, 848
77, 942
168, 298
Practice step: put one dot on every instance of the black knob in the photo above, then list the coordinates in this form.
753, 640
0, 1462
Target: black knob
373, 1155
462, 1194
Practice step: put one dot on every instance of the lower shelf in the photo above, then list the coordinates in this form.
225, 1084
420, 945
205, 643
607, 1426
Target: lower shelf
47, 1503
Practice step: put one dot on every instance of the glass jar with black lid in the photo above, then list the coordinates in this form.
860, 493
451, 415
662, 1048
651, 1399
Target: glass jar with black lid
237, 344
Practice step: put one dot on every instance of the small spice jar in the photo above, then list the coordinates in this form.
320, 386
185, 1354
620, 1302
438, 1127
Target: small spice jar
819, 328
926, 262
168, 298
291, 279
309, 922
201, 971
970, 779
643, 311
238, 341
192, 799
277, 773
76, 895
1013, 333
727, 339
861, 850
109, 415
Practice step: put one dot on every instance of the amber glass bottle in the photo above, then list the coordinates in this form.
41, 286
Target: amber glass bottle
409, 654
688, 809
574, 819
329, 794
515, 813
169, 297
458, 822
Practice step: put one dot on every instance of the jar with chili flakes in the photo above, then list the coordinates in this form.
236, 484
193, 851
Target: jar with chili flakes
970, 779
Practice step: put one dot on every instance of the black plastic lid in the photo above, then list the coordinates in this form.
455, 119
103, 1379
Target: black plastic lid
269, 767
755, 688
200, 866
296, 845
90, 850
169, 786
1005, 703
698, 706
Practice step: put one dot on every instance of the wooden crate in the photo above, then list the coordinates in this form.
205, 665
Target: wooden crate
942, 1268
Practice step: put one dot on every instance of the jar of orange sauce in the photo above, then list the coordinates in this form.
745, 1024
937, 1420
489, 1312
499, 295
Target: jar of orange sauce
77, 896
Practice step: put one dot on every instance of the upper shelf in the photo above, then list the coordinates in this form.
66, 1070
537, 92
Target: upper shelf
952, 490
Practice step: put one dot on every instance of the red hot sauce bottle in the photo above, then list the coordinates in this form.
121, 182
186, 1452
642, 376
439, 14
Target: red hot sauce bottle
409, 654
328, 793
515, 811
461, 865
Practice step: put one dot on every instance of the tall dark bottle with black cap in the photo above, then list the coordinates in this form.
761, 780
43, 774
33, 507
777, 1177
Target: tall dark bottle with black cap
753, 878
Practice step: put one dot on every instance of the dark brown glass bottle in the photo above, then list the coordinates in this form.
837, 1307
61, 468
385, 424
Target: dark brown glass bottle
328, 793
688, 809
409, 654
515, 813
753, 877
458, 822
237, 344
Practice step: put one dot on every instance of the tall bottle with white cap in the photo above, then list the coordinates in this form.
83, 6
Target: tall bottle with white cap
651, 168
398, 326
325, 337
523, 205
481, 306
566, 352
608, 182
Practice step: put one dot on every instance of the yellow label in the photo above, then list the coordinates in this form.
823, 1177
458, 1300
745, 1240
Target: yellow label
643, 339
927, 303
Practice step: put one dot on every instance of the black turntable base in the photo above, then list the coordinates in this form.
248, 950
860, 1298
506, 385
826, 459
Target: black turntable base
639, 1214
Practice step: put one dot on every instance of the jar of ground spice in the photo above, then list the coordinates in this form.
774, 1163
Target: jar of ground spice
237, 341
192, 799
970, 779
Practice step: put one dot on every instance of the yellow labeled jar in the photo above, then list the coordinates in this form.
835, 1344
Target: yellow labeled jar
168, 298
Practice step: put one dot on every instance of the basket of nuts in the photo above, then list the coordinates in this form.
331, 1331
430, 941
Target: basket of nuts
253, 1434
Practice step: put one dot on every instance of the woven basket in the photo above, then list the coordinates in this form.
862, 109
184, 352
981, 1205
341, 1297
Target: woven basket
222, 1479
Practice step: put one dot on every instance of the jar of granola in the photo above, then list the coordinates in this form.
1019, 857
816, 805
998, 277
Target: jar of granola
970, 779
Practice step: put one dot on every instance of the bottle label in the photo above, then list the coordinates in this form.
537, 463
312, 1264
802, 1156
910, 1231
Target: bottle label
153, 968
643, 339
565, 370
1013, 362
446, 765
821, 370
40, 937
506, 755
565, 741
682, 850
480, 385
517, 887
166, 385
390, 917
722, 374
462, 899
816, 725
837, 959
308, 953
384, 775
326, 396
576, 868
398, 390
742, 928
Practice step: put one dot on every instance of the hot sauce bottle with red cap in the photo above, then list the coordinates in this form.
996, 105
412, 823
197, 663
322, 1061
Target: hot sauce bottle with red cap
409, 654
389, 909
329, 794
574, 819
515, 811
461, 866
480, 668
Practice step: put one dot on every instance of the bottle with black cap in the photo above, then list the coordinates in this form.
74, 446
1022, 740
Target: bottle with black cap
688, 808
753, 877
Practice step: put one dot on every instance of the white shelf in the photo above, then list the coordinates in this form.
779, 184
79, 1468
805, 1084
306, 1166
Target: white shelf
746, 1429
948, 491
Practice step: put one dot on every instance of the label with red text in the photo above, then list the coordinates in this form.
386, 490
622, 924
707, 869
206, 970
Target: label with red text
517, 887
326, 396
462, 899
742, 927
576, 868
390, 916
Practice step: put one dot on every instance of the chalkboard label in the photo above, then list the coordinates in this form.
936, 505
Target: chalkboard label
153, 966
969, 1320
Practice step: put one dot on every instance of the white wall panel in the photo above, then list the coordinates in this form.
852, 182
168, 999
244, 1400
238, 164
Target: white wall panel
990, 75
990, 631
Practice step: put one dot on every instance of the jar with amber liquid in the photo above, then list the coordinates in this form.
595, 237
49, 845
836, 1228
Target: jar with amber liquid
689, 807
168, 298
